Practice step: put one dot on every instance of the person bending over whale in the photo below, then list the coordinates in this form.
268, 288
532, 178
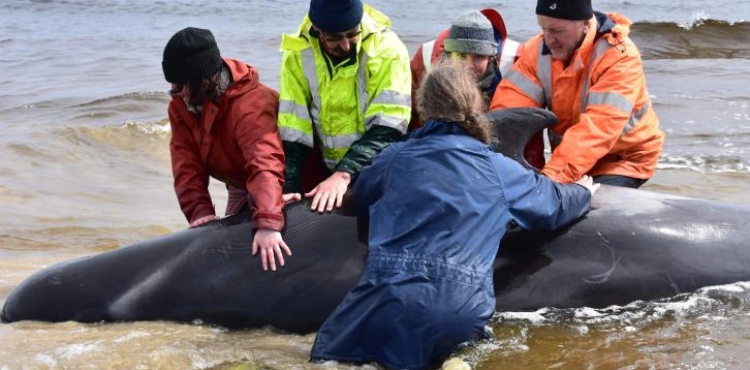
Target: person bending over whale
223, 124
438, 205
344, 96
585, 69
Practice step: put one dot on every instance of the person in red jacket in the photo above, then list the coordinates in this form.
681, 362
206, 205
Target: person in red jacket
223, 124
480, 38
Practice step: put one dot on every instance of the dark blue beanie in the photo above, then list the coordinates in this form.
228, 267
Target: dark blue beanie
336, 15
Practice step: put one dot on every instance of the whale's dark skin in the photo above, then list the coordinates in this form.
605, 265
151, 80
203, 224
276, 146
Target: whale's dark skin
205, 274
633, 245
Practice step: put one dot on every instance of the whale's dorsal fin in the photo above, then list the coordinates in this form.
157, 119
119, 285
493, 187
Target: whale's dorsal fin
514, 127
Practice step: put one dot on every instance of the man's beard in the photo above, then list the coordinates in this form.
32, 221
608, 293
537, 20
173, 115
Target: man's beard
340, 53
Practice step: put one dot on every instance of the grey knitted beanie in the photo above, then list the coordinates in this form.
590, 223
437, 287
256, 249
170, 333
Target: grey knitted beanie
471, 33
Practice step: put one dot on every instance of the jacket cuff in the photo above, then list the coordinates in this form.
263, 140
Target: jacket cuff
349, 166
556, 176
362, 151
267, 220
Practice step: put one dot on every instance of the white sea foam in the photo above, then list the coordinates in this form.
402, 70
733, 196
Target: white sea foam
72, 351
132, 335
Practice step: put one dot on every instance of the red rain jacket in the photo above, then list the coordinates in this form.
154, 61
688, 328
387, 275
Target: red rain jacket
236, 142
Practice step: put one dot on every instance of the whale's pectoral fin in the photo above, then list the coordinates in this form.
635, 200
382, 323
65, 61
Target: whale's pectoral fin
514, 127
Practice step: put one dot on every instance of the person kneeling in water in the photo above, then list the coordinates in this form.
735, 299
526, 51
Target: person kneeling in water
438, 205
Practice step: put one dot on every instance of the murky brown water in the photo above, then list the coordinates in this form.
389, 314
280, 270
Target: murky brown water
85, 169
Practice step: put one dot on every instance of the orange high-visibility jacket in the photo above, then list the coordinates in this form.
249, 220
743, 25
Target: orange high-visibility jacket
606, 122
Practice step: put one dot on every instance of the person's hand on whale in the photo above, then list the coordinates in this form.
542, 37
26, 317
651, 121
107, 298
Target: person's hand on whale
271, 244
588, 182
330, 192
203, 220
291, 197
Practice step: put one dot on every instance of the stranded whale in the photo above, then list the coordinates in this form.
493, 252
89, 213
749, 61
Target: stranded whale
633, 245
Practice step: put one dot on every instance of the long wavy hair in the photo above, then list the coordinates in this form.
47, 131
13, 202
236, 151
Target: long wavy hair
200, 90
450, 93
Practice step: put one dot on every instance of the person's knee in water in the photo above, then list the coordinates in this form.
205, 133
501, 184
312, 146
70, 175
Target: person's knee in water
438, 205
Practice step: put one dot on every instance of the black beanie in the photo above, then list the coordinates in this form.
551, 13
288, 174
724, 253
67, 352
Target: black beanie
191, 55
574, 10
336, 15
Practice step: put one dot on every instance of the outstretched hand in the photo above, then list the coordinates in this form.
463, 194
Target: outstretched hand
330, 192
203, 220
291, 197
271, 244
588, 182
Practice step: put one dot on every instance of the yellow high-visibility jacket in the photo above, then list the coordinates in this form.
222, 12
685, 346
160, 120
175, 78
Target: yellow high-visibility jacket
336, 104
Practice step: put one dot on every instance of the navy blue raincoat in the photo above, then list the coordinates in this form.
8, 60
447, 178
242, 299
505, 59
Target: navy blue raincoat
438, 204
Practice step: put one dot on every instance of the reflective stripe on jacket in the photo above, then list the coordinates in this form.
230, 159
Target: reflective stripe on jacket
431, 52
605, 117
236, 142
340, 102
